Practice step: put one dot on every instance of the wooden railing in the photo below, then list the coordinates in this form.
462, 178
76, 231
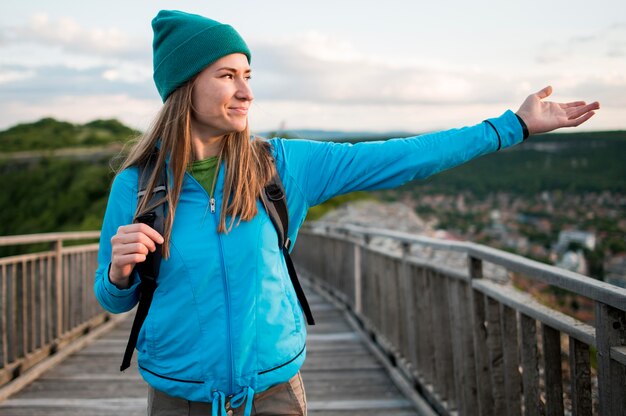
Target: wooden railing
470, 345
46, 299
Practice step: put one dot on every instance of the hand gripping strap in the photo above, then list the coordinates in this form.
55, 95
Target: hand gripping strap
148, 270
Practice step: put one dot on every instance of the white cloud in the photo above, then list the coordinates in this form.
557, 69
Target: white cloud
44, 83
68, 35
289, 73
609, 42
321, 47
610, 87
305, 89
309, 81
13, 74
128, 74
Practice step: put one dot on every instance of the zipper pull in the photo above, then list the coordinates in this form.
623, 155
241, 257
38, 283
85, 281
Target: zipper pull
212, 202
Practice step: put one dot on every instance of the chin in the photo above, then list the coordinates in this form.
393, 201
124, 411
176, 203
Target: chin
240, 128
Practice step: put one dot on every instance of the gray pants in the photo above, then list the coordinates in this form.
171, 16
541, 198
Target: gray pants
282, 399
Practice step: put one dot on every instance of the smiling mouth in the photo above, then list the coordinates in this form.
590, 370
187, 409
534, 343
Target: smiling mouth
239, 110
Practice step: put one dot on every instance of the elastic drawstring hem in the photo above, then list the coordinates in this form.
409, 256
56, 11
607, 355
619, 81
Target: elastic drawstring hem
219, 402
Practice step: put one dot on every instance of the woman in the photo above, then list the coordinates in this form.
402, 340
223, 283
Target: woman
225, 330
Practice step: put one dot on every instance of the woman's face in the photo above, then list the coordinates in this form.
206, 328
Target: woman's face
221, 97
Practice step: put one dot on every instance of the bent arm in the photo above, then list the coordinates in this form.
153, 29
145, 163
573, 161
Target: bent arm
323, 170
120, 209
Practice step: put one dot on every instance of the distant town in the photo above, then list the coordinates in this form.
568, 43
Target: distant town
579, 232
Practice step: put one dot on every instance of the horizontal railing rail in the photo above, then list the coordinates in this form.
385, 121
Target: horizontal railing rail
46, 299
470, 344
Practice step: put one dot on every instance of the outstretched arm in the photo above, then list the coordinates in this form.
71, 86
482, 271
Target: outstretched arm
321, 170
544, 116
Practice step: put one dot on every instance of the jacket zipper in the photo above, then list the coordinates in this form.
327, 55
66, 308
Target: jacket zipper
215, 175
229, 350
227, 292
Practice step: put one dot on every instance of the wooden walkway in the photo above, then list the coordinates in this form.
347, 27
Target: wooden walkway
341, 376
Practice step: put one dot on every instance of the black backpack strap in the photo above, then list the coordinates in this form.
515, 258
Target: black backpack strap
149, 269
273, 197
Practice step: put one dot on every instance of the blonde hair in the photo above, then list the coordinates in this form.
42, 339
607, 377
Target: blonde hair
248, 163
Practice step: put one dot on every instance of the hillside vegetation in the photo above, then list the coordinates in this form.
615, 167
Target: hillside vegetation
48, 134
48, 194
574, 162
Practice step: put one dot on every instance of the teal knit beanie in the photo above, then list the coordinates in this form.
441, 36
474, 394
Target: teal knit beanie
184, 44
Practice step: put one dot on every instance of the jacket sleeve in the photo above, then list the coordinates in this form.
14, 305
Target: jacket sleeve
119, 211
323, 170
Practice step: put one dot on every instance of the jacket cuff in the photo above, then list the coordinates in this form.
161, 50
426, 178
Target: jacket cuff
507, 129
116, 291
522, 123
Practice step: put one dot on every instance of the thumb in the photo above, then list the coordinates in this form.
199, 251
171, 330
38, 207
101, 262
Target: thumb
544, 92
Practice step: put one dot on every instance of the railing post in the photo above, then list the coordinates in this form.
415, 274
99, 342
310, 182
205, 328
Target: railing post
496, 355
444, 374
463, 348
57, 247
475, 268
3, 314
408, 287
510, 348
610, 332
580, 369
358, 288
483, 369
552, 370
530, 359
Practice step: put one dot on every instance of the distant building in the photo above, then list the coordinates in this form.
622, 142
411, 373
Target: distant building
615, 270
566, 237
574, 261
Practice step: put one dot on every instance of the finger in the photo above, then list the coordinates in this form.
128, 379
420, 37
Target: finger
145, 240
131, 238
544, 92
572, 104
574, 113
142, 228
133, 248
151, 232
577, 122
129, 260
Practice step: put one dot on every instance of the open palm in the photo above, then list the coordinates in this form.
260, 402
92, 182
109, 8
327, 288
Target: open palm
544, 116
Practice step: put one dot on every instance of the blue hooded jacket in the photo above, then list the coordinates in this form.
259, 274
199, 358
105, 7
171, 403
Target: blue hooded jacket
225, 320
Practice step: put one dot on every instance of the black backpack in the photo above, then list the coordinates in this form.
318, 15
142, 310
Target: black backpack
273, 198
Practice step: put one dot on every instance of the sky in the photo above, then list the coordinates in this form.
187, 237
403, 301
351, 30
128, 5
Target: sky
334, 65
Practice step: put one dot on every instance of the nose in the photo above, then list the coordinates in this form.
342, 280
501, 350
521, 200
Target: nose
244, 91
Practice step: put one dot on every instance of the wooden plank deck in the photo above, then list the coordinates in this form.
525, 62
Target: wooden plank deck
341, 376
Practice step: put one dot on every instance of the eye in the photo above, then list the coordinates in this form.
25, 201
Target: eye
228, 76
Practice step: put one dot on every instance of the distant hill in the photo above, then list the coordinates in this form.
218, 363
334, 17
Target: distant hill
572, 162
48, 133
62, 190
